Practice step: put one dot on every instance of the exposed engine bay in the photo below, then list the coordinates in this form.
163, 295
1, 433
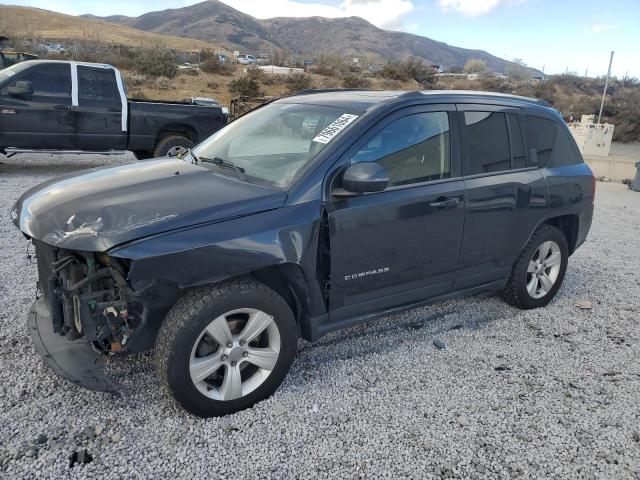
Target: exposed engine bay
87, 296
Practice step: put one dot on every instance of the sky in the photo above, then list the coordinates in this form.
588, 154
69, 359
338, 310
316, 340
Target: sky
550, 35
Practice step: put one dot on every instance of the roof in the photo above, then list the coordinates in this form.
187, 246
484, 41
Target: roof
67, 62
365, 99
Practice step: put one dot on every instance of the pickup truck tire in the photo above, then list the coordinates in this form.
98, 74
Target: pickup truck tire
171, 142
539, 271
202, 337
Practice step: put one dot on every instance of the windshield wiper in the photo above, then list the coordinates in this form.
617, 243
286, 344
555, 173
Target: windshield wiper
221, 162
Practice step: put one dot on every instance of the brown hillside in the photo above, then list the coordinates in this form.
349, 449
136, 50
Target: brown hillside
43, 24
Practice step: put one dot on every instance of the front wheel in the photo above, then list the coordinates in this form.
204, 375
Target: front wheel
222, 349
539, 271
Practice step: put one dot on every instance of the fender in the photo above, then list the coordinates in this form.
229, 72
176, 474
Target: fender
213, 253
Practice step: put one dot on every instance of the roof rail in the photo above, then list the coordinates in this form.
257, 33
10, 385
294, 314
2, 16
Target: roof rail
329, 90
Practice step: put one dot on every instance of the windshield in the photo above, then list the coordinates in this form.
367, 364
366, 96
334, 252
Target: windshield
274, 144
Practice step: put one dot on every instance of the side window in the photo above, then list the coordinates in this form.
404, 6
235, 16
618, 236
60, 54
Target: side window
413, 149
518, 155
487, 142
97, 84
565, 151
50, 83
543, 137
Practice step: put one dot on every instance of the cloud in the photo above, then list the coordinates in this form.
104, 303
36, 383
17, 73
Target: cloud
472, 8
603, 27
382, 13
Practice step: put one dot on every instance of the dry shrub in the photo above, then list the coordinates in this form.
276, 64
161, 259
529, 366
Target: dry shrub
352, 80
245, 86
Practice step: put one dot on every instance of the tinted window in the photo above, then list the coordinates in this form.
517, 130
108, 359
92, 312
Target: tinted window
97, 84
565, 151
487, 142
543, 137
51, 83
413, 149
518, 156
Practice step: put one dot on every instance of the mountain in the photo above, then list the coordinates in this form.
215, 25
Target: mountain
213, 21
210, 21
46, 25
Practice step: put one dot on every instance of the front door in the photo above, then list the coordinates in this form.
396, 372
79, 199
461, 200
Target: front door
400, 246
44, 118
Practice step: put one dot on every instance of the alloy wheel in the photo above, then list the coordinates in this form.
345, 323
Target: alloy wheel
234, 354
544, 268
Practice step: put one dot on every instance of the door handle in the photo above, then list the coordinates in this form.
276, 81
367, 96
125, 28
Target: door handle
444, 203
62, 107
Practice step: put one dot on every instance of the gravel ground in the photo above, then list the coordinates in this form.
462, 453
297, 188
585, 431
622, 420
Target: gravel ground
550, 393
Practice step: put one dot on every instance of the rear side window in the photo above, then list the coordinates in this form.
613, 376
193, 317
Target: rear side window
413, 149
487, 142
97, 84
565, 151
543, 137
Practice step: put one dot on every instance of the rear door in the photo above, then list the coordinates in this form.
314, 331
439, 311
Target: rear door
505, 193
99, 110
43, 119
401, 245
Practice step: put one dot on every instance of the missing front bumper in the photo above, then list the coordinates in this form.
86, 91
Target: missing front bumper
73, 360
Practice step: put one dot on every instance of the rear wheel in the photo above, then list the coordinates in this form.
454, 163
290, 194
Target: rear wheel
539, 271
225, 348
171, 145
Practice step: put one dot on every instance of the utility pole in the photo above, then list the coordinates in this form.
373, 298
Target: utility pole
606, 84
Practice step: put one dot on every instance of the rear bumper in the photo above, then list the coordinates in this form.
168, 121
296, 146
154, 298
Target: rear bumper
74, 360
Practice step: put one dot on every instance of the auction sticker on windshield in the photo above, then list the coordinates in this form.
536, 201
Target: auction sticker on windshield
334, 128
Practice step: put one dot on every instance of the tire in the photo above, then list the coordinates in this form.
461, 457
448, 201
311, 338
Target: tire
526, 289
142, 154
182, 342
171, 143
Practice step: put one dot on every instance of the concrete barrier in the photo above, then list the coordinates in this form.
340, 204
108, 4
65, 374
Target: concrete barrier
614, 168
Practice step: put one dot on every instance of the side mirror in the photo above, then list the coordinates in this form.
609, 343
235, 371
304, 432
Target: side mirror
363, 177
533, 157
22, 89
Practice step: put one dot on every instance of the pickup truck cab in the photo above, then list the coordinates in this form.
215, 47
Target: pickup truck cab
309, 214
63, 106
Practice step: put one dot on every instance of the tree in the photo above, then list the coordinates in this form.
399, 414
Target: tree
475, 65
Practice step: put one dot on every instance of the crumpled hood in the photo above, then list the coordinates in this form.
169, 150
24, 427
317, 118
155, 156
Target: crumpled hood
97, 209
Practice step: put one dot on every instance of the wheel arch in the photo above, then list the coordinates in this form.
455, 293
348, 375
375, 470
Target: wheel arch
177, 129
569, 225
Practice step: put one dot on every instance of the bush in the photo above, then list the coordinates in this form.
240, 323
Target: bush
163, 83
213, 65
475, 65
275, 79
297, 82
245, 86
421, 73
156, 62
351, 80
394, 71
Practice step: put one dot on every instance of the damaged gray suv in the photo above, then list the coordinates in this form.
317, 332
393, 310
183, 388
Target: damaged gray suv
307, 215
